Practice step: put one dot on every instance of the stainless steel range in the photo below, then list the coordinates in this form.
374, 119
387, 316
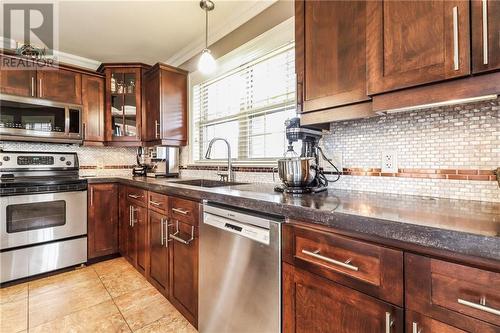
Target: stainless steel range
43, 213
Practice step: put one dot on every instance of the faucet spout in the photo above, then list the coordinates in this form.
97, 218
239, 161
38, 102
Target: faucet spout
230, 175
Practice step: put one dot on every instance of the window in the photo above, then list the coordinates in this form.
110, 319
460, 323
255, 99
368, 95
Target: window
248, 107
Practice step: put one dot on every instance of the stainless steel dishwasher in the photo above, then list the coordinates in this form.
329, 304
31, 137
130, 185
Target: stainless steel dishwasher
240, 272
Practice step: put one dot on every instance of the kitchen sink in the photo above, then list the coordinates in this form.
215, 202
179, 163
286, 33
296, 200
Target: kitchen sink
207, 183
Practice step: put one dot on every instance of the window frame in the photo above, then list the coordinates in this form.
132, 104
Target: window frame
265, 44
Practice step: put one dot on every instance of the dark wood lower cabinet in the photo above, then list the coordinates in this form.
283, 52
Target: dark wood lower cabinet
184, 270
140, 226
315, 304
418, 323
128, 234
102, 220
158, 251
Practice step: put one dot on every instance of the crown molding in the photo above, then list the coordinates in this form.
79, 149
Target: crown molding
230, 23
63, 57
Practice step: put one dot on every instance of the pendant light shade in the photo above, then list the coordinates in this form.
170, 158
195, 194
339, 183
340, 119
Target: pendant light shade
206, 64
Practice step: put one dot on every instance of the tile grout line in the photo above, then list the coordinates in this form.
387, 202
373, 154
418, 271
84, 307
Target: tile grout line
113, 300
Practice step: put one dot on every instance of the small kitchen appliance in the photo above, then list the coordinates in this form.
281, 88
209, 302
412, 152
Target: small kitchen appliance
43, 213
31, 119
158, 161
302, 174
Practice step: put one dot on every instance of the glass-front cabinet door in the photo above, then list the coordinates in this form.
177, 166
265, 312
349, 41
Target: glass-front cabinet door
123, 102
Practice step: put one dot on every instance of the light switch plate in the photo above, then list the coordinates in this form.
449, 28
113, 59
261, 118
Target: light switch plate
389, 161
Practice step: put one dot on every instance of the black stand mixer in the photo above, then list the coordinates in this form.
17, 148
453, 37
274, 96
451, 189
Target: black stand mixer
302, 174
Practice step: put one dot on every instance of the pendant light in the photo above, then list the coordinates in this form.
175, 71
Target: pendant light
206, 64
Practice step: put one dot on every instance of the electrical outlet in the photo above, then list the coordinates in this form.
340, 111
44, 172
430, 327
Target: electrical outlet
389, 161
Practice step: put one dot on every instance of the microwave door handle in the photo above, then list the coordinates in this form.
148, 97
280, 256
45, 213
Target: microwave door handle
66, 120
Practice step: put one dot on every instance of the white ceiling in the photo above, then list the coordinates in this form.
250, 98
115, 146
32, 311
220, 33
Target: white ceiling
147, 31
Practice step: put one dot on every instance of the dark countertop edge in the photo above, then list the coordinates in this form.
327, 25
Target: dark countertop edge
445, 243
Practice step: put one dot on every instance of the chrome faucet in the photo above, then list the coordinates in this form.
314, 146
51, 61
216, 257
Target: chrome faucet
229, 176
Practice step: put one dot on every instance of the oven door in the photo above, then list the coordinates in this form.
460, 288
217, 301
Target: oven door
38, 218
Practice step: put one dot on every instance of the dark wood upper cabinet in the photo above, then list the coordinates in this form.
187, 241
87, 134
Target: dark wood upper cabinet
330, 53
313, 303
93, 109
60, 85
102, 220
165, 111
158, 251
19, 82
416, 42
485, 35
123, 103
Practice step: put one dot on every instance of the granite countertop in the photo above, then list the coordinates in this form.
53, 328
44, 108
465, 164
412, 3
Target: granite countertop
470, 228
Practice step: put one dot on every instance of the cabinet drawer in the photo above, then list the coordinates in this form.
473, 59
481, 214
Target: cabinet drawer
416, 322
184, 210
372, 269
158, 202
463, 296
136, 195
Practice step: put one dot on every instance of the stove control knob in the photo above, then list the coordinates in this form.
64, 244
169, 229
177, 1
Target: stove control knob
62, 159
6, 158
68, 163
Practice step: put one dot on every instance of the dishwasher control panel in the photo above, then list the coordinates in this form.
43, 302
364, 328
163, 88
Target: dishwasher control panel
253, 232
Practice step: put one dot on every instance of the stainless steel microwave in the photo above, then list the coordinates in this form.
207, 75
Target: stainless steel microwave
32, 119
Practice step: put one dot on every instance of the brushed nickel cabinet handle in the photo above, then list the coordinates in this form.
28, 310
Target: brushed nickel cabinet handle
130, 215
161, 231
456, 65
157, 129
155, 203
415, 329
91, 196
135, 196
485, 31
345, 264
40, 87
33, 86
180, 211
481, 306
388, 322
180, 240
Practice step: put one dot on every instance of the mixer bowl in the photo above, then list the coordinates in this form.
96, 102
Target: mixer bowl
297, 171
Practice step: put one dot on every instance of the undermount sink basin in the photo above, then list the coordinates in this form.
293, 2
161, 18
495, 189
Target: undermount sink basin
207, 183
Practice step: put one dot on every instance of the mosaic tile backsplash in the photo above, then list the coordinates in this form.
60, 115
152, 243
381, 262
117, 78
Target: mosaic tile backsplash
428, 143
98, 161
464, 137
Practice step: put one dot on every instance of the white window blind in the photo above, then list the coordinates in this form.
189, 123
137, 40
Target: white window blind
247, 106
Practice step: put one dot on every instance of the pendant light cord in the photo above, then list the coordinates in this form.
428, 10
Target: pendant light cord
206, 26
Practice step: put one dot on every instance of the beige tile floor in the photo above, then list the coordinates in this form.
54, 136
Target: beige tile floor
110, 296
